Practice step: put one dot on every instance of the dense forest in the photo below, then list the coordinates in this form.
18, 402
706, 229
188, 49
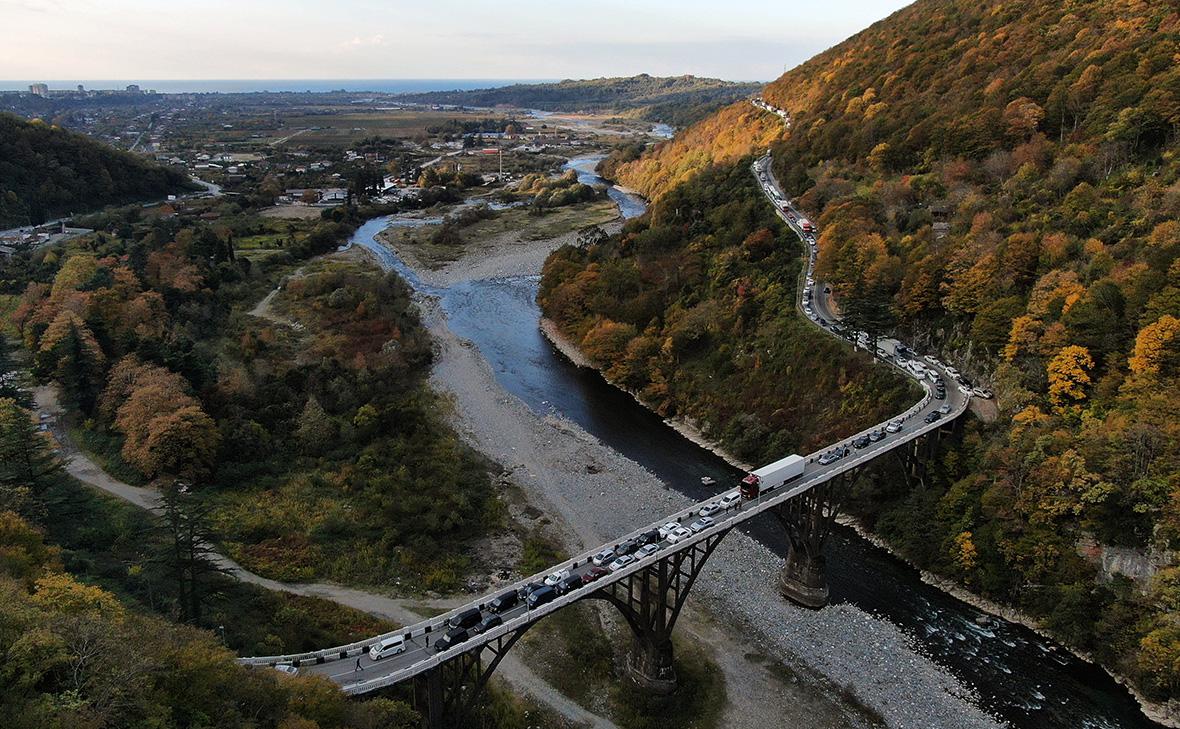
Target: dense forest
998, 183
75, 656
46, 172
321, 400
678, 100
692, 309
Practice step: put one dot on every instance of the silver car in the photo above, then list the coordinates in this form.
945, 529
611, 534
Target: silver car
620, 563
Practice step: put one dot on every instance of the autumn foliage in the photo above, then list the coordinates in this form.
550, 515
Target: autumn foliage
999, 184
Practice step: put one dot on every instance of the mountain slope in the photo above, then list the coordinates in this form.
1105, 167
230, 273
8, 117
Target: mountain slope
46, 171
998, 182
679, 100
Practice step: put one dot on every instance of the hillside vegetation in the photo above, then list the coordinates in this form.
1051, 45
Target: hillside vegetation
999, 182
320, 402
692, 308
678, 100
46, 172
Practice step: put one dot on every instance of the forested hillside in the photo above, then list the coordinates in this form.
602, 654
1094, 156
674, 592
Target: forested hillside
678, 100
47, 172
321, 402
998, 182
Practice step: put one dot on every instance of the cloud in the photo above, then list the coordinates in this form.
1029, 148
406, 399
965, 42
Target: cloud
372, 41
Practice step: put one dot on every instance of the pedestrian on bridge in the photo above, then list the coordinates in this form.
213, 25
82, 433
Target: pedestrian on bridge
359, 667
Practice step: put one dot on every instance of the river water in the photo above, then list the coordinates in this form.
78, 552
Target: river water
1021, 677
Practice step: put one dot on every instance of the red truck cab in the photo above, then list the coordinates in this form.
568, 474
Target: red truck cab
751, 486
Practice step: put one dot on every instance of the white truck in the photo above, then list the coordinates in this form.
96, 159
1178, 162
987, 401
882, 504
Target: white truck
772, 476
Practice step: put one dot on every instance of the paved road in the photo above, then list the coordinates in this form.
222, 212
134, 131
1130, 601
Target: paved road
340, 663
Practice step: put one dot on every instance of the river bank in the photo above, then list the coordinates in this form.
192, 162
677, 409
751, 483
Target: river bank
598, 493
1165, 714
569, 349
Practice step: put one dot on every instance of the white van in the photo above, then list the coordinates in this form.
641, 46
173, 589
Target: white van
388, 647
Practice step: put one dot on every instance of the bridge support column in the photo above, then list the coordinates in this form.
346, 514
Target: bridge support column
808, 519
804, 579
428, 698
650, 601
650, 664
447, 694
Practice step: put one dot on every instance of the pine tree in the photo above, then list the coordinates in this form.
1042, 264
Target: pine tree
11, 381
189, 557
27, 463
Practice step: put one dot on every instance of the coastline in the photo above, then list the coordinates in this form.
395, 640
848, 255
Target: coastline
1166, 714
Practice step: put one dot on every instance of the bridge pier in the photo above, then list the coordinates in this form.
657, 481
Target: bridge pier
808, 519
649, 664
428, 698
650, 600
804, 579
447, 694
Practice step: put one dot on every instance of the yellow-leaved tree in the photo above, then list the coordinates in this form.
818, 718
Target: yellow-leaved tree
1157, 348
1069, 375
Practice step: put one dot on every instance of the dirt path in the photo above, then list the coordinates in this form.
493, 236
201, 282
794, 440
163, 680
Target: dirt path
263, 310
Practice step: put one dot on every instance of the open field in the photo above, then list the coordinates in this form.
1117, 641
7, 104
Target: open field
8, 303
292, 212
346, 127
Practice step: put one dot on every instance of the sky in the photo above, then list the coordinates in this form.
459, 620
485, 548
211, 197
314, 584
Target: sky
390, 39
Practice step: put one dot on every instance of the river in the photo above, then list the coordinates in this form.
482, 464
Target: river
1021, 677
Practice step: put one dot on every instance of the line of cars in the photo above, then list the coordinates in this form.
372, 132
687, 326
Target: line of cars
474, 621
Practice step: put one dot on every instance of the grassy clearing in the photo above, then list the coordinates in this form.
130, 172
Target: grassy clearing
108, 542
8, 304
572, 652
103, 447
697, 703
341, 128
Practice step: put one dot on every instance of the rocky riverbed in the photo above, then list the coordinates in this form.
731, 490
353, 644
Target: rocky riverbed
594, 493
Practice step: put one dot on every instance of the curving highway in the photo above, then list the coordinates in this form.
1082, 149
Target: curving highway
340, 663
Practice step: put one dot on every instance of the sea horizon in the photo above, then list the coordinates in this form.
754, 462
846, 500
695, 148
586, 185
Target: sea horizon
239, 86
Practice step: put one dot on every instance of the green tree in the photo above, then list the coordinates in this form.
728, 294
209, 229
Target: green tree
315, 429
189, 557
27, 463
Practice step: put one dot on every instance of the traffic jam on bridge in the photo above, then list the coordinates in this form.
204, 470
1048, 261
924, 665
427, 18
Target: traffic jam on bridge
394, 657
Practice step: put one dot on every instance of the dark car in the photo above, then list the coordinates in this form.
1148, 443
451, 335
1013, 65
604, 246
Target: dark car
540, 597
465, 619
504, 602
487, 624
940, 394
572, 582
877, 435
454, 637
530, 588
596, 573
649, 537
627, 547
861, 442
933, 416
